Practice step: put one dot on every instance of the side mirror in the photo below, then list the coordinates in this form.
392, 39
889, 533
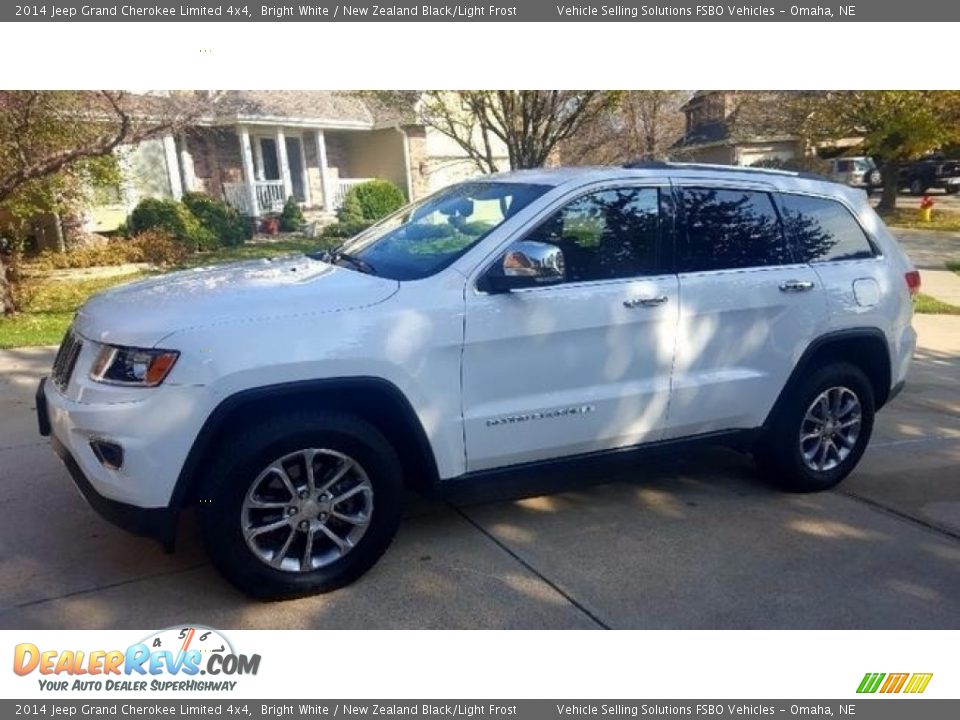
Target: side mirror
526, 264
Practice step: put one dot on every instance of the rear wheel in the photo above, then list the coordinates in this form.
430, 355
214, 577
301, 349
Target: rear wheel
819, 431
301, 504
917, 187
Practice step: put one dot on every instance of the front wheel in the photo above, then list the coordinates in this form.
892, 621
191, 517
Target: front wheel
819, 431
301, 504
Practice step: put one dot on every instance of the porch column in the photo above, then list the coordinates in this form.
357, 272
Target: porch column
173, 166
324, 181
284, 162
248, 174
187, 171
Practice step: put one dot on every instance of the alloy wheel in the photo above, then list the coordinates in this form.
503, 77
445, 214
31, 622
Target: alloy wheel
830, 428
306, 510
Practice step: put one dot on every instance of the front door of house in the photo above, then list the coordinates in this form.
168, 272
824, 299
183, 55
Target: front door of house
295, 161
271, 165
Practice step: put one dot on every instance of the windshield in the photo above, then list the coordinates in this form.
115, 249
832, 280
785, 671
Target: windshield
425, 237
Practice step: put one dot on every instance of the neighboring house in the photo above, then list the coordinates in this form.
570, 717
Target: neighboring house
709, 136
261, 147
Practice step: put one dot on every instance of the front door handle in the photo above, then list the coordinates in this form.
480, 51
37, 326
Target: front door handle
796, 286
645, 302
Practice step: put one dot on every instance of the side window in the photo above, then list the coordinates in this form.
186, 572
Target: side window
728, 229
607, 234
823, 230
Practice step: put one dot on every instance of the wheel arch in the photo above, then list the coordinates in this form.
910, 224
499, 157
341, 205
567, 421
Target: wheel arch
866, 348
376, 400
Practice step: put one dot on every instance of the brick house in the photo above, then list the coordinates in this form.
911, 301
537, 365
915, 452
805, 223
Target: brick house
261, 147
710, 138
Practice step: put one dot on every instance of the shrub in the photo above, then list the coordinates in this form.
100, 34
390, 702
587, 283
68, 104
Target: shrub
797, 164
159, 247
291, 217
344, 229
175, 218
119, 251
221, 220
370, 201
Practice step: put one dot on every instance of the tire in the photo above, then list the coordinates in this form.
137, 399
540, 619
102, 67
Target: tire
245, 492
784, 460
873, 179
952, 189
917, 187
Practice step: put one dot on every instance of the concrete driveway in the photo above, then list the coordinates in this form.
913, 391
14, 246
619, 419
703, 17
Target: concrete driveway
691, 542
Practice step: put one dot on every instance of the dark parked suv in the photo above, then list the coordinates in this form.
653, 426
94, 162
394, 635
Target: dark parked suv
931, 172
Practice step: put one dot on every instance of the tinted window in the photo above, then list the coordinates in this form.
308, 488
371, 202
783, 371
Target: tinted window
731, 229
426, 237
823, 230
606, 235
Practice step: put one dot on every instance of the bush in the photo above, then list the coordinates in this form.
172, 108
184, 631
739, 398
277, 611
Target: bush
798, 164
159, 247
344, 229
291, 218
175, 218
221, 220
370, 201
118, 251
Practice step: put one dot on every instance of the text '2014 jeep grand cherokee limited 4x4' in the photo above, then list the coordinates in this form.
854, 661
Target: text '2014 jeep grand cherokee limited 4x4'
502, 325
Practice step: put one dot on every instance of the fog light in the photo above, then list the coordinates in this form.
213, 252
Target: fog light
109, 454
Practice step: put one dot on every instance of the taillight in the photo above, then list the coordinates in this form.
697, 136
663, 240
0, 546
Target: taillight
913, 281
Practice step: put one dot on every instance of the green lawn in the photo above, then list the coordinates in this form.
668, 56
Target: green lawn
954, 265
931, 306
47, 305
910, 218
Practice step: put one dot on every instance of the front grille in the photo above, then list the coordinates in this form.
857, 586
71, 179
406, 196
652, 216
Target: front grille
65, 361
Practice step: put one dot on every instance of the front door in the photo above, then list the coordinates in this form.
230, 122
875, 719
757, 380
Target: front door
749, 308
581, 366
295, 162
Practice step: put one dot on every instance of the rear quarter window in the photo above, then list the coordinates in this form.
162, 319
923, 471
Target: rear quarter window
824, 230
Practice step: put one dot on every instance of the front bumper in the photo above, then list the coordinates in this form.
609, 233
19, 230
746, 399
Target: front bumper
158, 523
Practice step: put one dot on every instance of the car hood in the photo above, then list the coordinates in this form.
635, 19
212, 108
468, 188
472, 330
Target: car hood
142, 313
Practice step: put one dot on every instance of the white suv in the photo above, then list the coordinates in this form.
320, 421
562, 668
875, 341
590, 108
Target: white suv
501, 327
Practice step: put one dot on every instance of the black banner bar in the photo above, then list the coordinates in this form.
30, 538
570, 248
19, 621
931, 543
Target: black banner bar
501, 11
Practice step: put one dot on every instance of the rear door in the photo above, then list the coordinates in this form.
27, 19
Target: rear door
748, 308
581, 366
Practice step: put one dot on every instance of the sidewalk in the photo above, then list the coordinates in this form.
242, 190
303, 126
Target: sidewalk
943, 285
928, 249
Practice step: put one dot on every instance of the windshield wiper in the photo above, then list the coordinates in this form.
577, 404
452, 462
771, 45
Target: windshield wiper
335, 257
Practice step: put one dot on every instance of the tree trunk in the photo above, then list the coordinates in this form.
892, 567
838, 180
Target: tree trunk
891, 173
7, 305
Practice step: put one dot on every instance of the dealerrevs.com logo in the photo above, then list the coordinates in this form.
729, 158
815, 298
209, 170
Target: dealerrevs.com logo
173, 659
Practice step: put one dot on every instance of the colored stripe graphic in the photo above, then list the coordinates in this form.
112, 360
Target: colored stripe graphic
870, 682
894, 683
918, 682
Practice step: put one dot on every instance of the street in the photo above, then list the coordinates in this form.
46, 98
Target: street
685, 542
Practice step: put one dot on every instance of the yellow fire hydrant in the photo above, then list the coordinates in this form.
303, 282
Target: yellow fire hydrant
926, 209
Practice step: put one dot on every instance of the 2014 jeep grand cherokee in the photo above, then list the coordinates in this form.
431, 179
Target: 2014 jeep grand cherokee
502, 325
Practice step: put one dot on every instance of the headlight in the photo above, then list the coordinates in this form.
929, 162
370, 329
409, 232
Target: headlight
132, 366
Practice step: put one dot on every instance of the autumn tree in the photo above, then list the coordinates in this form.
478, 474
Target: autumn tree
56, 144
642, 125
894, 126
530, 124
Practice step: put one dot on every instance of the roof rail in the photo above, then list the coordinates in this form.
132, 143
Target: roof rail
667, 165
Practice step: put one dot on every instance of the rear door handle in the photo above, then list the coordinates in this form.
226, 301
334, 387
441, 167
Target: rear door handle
645, 302
796, 286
